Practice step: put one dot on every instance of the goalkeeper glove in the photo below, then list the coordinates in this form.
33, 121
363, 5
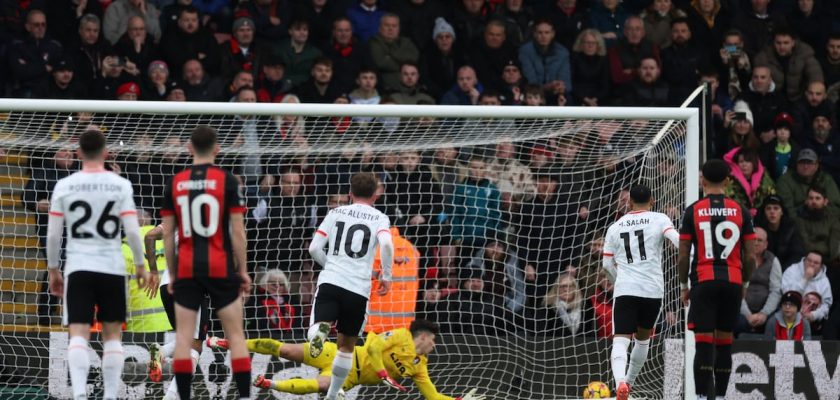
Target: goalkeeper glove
471, 396
386, 379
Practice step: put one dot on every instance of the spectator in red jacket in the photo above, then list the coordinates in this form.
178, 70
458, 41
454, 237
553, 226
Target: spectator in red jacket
787, 323
628, 52
272, 308
602, 306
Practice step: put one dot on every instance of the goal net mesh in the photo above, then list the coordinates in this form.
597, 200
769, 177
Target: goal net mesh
504, 220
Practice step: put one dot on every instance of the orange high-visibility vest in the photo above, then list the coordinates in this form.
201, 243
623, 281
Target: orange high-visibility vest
396, 308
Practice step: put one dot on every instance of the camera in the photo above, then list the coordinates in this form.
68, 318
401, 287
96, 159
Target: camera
731, 48
740, 116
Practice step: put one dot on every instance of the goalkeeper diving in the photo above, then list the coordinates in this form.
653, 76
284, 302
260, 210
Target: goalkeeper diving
401, 352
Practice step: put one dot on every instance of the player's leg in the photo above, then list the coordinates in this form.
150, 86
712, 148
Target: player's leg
703, 317
79, 302
111, 298
649, 310
230, 315
295, 385
350, 325
727, 318
189, 294
325, 311
160, 353
300, 353
624, 324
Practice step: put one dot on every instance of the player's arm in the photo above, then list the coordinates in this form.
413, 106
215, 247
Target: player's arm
169, 228
320, 240
684, 256
131, 226
54, 228
429, 391
670, 232
239, 244
748, 248
150, 244
608, 257
375, 346
386, 254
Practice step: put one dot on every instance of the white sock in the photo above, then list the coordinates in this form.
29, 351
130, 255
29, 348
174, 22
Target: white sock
167, 349
619, 358
637, 359
342, 364
78, 361
112, 368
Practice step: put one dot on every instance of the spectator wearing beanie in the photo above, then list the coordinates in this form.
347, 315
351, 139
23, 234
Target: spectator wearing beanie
825, 140
787, 323
739, 127
241, 52
440, 62
272, 83
121, 10
783, 238
156, 86
777, 154
128, 91
63, 84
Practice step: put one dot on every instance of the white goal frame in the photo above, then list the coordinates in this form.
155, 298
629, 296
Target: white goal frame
691, 116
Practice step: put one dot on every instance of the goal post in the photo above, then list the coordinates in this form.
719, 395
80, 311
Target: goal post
503, 209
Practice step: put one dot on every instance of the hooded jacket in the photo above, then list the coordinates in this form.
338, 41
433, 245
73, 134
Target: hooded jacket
793, 279
776, 329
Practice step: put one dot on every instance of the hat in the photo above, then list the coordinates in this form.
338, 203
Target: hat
441, 26
783, 119
773, 199
158, 64
513, 63
792, 296
807, 155
173, 85
242, 21
823, 110
62, 64
128, 87
742, 107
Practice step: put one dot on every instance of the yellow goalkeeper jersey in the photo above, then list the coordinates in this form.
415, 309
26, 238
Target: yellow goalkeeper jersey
394, 351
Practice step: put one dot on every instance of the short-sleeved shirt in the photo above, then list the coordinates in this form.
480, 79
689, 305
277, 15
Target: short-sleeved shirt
202, 198
92, 204
635, 242
352, 233
716, 226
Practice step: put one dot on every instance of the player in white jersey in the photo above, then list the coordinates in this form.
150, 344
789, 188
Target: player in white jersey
94, 204
351, 234
633, 244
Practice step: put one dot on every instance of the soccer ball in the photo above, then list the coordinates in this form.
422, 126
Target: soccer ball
596, 390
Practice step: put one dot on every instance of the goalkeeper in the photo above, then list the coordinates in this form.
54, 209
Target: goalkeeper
401, 352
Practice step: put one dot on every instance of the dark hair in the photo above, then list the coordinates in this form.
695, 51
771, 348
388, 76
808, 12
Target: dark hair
92, 143
366, 70
680, 20
190, 9
489, 93
819, 253
748, 155
298, 23
640, 194
326, 61
542, 20
364, 184
419, 326
203, 139
715, 171
783, 30
819, 189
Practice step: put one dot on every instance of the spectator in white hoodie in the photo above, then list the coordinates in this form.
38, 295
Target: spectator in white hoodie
809, 276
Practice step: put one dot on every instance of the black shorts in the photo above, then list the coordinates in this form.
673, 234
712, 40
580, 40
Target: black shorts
715, 305
201, 324
633, 312
94, 292
191, 292
347, 309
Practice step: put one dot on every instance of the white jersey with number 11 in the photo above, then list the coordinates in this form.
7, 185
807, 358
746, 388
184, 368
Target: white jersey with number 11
352, 233
635, 243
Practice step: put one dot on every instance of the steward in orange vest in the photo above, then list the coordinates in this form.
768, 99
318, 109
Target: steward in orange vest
395, 309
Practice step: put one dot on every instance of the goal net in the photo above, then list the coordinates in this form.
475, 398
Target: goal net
502, 211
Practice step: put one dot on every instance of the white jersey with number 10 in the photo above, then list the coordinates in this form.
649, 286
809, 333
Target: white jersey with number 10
635, 243
352, 233
92, 204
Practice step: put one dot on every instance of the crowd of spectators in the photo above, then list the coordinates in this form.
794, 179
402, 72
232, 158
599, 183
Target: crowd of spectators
500, 217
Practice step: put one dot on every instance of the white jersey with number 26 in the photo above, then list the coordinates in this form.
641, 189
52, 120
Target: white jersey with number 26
352, 233
92, 204
635, 243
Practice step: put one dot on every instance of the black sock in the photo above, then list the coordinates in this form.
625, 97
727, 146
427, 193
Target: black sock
242, 376
703, 362
183, 377
723, 368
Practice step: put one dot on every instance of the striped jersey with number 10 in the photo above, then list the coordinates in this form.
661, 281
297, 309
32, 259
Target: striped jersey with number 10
716, 226
202, 198
352, 233
92, 204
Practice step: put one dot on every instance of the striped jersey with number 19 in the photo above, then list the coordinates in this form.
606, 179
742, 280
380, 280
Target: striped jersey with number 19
716, 226
202, 198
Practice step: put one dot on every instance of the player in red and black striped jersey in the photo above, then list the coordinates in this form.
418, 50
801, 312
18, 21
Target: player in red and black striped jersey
721, 232
203, 206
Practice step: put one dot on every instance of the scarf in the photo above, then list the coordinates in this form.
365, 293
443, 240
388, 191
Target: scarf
571, 318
